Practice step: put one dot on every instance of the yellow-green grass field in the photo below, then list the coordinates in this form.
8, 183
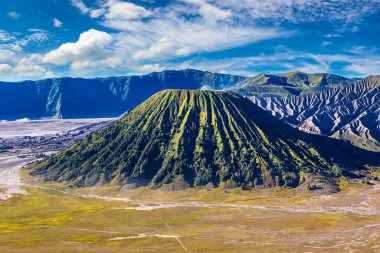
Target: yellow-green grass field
274, 220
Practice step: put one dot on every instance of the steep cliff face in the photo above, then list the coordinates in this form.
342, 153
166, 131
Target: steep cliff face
350, 112
100, 97
198, 138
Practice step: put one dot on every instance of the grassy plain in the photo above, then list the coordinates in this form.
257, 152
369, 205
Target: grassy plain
73, 220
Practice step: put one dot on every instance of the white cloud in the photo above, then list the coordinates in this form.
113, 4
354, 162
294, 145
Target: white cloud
148, 68
345, 14
57, 23
163, 48
313, 68
184, 44
285, 60
338, 12
121, 10
5, 36
186, 27
365, 68
81, 6
92, 46
5, 68
210, 12
38, 38
148, 37
94, 13
154, 42
37, 30
94, 66
17, 42
335, 35
14, 15
182, 28
25, 68
8, 44
326, 43
167, 33
6, 55
113, 9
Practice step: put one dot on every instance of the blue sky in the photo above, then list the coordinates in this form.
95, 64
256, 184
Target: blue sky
42, 39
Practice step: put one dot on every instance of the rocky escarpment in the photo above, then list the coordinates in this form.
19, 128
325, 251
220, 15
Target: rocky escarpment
350, 112
99, 97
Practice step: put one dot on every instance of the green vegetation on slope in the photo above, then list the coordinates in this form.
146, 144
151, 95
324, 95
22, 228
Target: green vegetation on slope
199, 138
316, 80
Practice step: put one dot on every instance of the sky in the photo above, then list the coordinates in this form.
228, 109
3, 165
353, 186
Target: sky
99, 38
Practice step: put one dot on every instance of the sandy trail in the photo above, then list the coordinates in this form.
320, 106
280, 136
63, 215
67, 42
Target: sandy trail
150, 205
139, 236
146, 206
10, 182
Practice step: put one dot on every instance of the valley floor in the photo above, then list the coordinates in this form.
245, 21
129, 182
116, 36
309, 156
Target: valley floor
41, 217
32, 128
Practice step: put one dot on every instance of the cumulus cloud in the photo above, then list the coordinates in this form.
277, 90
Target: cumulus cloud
25, 68
116, 9
28, 68
92, 46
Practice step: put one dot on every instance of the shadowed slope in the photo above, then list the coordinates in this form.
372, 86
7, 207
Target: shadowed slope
199, 137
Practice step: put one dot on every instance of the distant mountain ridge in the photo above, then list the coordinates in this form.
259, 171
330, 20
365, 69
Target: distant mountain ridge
99, 97
293, 83
111, 97
350, 112
185, 138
